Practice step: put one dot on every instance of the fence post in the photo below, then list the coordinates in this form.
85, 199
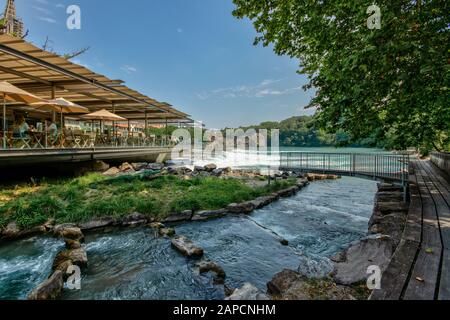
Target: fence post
353, 164
375, 168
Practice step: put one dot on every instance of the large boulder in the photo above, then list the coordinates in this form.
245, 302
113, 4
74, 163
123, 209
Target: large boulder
290, 285
49, 289
244, 207
72, 244
77, 257
248, 293
126, 167
199, 169
186, 247
138, 166
210, 167
166, 232
282, 281
111, 172
217, 172
71, 233
351, 265
206, 215
206, 266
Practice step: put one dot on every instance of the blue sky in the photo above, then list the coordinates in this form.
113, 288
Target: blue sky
191, 53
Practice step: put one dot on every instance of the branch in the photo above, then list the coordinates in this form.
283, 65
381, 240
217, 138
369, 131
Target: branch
77, 53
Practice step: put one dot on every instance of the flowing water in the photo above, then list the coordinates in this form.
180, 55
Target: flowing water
25, 264
321, 220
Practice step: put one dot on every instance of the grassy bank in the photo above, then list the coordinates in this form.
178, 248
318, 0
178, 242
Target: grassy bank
94, 195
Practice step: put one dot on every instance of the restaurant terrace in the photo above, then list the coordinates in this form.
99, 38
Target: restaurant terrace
52, 106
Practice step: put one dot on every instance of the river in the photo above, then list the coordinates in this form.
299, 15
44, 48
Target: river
321, 220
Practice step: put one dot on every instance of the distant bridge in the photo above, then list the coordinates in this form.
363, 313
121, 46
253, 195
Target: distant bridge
388, 167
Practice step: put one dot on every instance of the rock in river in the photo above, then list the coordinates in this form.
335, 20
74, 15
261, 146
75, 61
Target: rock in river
290, 285
49, 289
71, 233
351, 265
247, 293
205, 266
186, 247
77, 257
166, 232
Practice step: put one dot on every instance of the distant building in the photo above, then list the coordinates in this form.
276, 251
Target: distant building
9, 23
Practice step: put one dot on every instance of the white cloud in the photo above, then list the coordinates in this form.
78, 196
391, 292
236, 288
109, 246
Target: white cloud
261, 90
47, 19
128, 69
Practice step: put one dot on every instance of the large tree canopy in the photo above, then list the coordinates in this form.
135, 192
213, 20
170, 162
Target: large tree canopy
391, 83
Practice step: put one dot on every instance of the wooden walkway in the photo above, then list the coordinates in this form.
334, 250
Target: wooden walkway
420, 268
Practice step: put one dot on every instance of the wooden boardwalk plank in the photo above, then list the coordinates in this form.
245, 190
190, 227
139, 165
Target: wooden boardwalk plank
396, 275
425, 274
439, 190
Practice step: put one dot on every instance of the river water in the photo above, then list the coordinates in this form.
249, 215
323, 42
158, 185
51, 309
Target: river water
321, 220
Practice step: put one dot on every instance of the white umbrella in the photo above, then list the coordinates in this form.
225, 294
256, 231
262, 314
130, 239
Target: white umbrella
62, 106
14, 94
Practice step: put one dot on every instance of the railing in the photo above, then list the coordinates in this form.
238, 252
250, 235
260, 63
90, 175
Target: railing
441, 160
376, 166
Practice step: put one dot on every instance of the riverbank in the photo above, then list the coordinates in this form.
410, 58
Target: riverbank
135, 192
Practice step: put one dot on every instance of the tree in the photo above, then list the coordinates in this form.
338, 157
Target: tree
391, 83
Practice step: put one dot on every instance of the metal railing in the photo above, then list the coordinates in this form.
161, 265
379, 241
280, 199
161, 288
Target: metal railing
441, 160
376, 166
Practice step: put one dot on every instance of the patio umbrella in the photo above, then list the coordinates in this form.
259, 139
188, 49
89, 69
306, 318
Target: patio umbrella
103, 115
14, 94
60, 105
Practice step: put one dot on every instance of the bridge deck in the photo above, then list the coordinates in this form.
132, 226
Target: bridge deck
53, 156
420, 268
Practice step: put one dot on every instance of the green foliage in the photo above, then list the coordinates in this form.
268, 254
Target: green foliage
389, 84
159, 132
304, 131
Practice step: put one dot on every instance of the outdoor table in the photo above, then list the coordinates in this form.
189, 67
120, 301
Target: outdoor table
37, 139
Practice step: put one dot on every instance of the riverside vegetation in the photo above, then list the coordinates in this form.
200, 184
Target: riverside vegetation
150, 193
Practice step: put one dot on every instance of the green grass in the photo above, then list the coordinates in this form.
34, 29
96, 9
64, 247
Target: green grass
93, 196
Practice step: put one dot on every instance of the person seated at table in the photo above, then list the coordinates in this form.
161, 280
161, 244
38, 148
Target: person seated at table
52, 131
21, 129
